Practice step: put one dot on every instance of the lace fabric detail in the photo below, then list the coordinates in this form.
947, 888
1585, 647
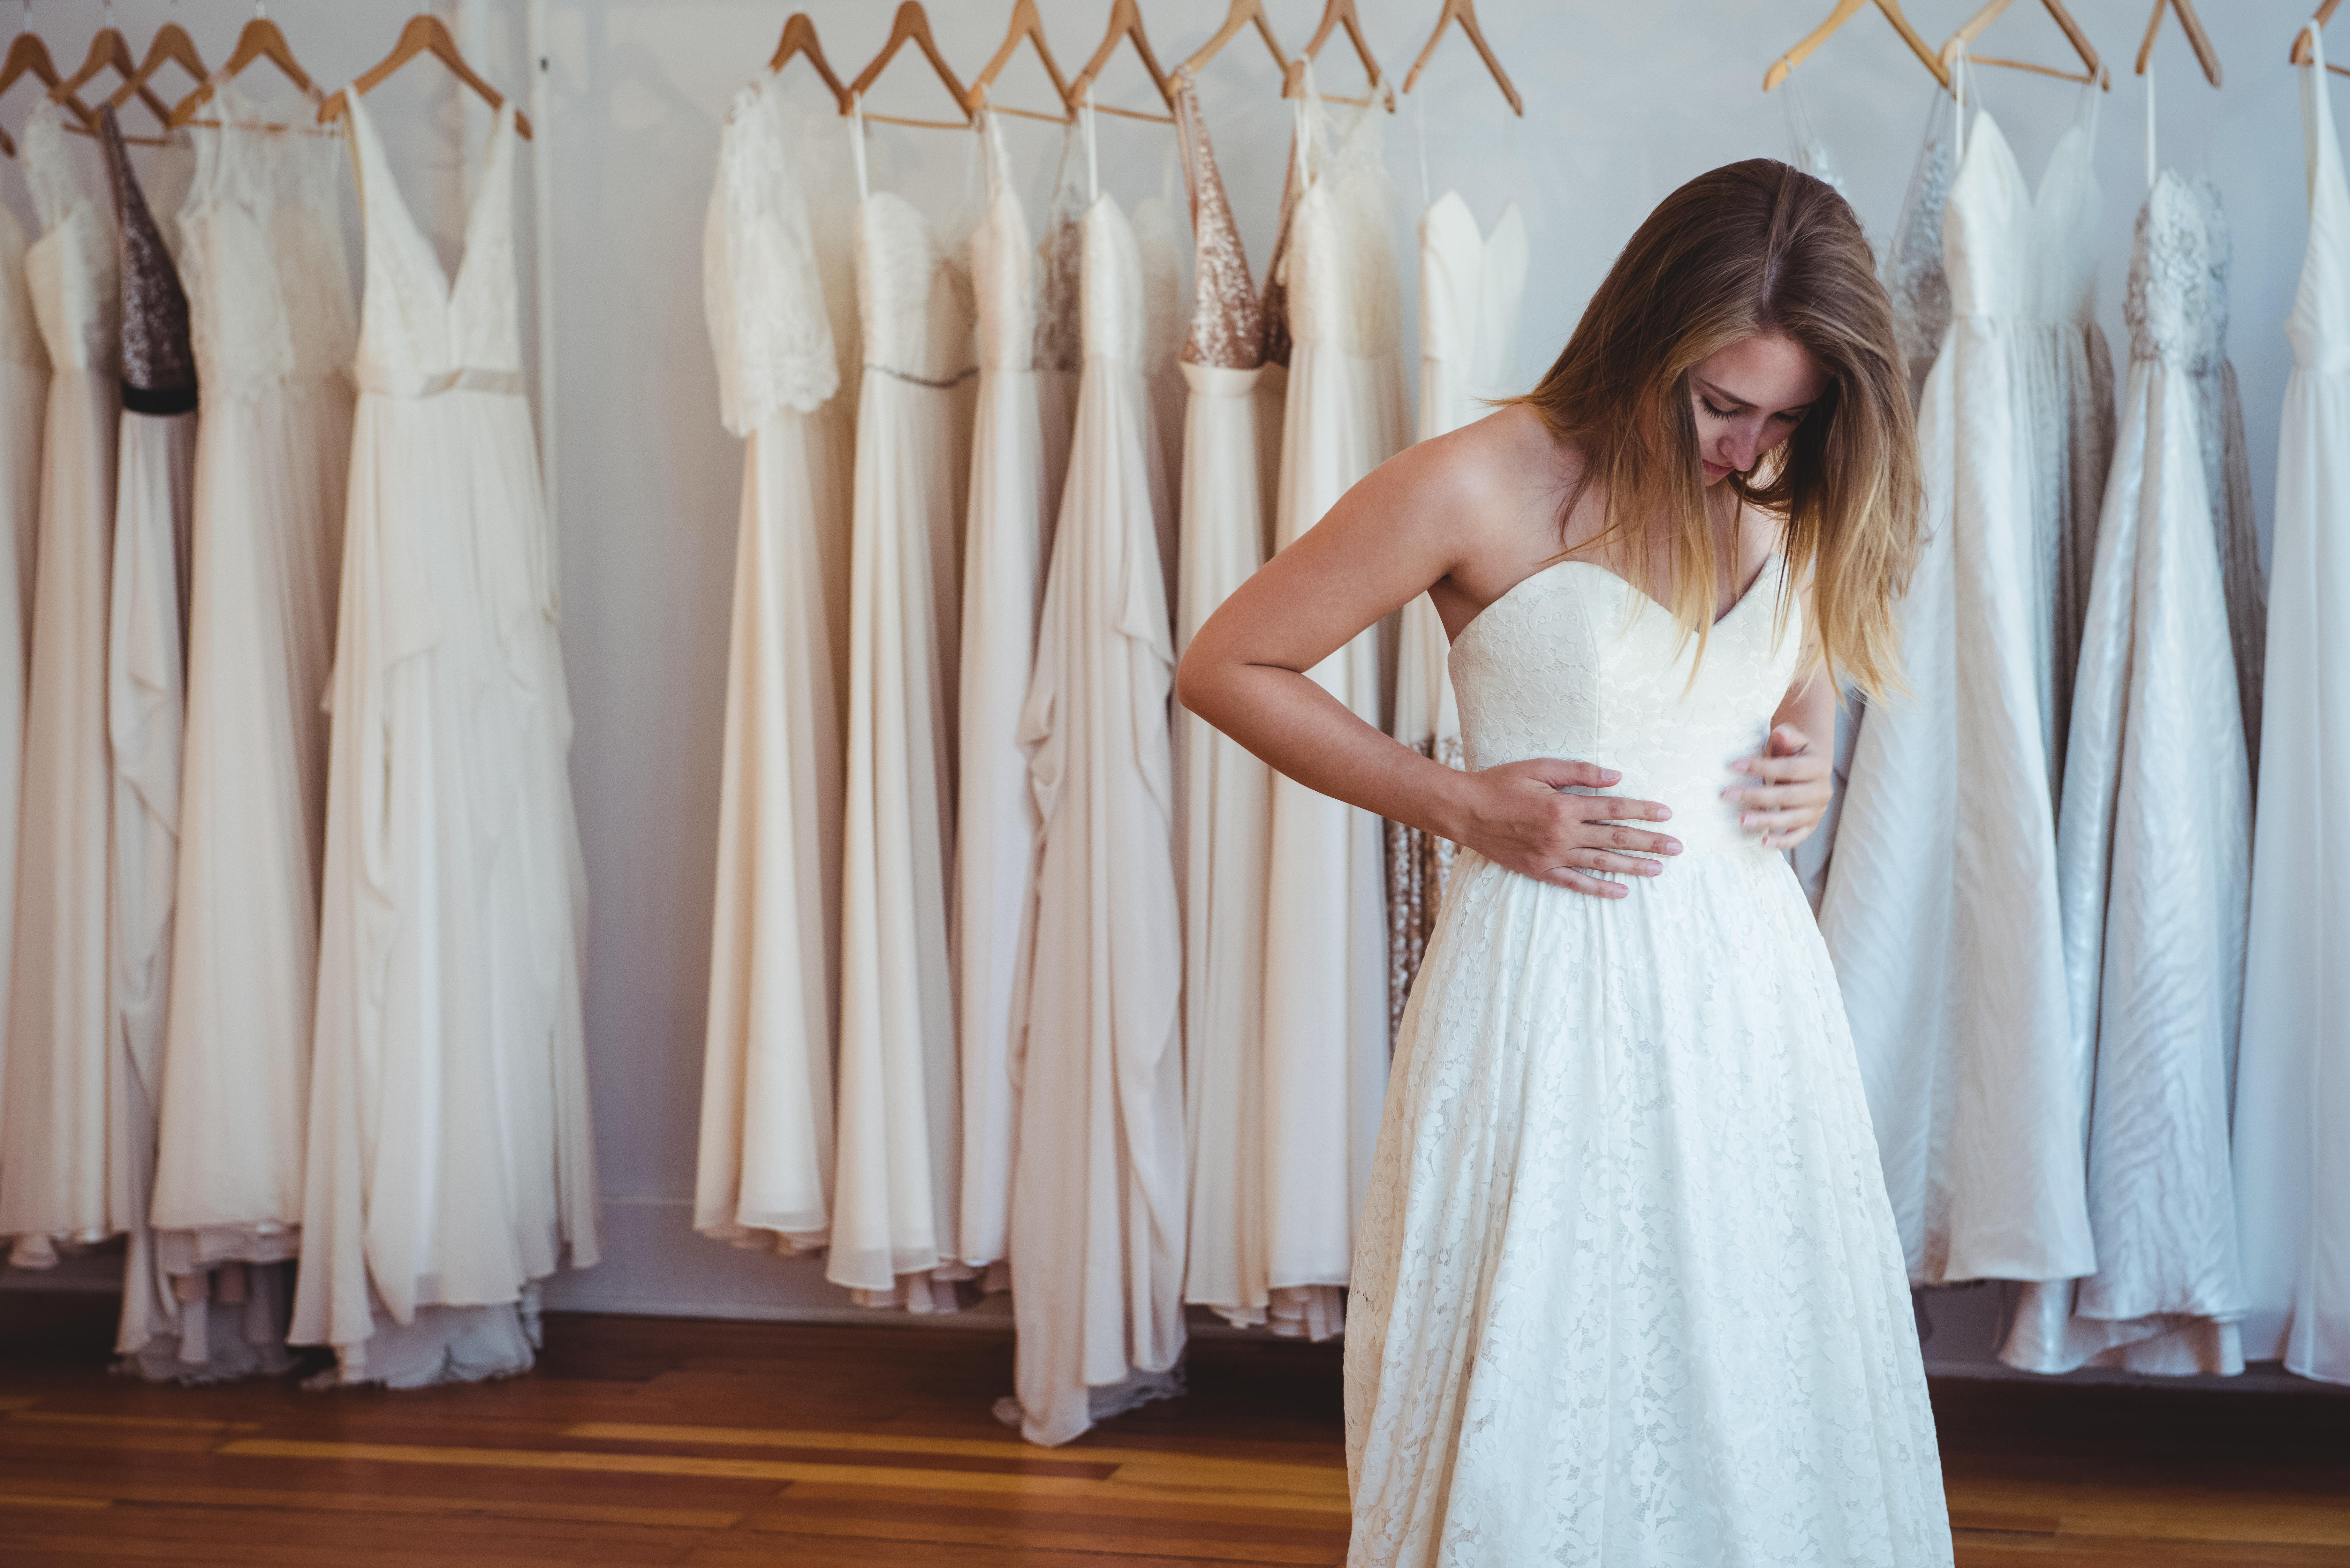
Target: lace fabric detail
1060, 340
775, 257
261, 251
1004, 267
415, 320
157, 356
915, 298
1227, 318
71, 270
1163, 286
1913, 272
1341, 265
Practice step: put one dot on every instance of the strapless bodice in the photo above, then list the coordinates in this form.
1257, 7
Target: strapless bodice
1576, 664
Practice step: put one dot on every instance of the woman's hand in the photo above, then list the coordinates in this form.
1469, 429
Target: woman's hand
1791, 791
1524, 817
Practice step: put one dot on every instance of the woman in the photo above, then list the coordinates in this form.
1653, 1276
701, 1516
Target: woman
1627, 1290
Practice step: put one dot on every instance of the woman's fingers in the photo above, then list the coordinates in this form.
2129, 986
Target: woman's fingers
1780, 770
1567, 876
1616, 808
1778, 797
1633, 839
1617, 864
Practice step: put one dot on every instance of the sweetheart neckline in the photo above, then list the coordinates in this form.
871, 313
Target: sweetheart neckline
1647, 600
501, 125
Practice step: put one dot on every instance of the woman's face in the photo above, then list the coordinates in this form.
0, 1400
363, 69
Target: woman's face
1749, 398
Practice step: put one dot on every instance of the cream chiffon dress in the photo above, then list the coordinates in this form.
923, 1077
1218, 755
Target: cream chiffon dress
23, 401
62, 1173
899, 1160
451, 1162
1026, 296
1326, 1003
1099, 1190
780, 300
2292, 1086
1470, 286
261, 252
1231, 457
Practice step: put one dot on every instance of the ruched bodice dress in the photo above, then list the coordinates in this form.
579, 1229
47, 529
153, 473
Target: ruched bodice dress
1629, 1293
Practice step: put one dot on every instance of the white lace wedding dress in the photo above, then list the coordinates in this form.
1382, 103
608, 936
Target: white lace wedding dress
1027, 298
2153, 860
2292, 1088
1099, 1190
274, 325
59, 1179
1941, 907
1628, 1293
1325, 991
451, 1162
899, 1111
781, 303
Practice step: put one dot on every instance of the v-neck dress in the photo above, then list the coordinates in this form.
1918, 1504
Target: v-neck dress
450, 1163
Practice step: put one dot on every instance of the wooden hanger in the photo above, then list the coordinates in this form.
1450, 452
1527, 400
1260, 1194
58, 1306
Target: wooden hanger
1338, 14
172, 46
1025, 24
1844, 12
912, 25
108, 50
1465, 13
799, 39
1125, 22
2300, 56
1243, 13
424, 35
2196, 38
28, 56
1972, 27
260, 40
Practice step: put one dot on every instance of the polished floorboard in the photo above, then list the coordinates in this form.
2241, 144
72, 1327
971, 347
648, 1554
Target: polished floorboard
722, 1445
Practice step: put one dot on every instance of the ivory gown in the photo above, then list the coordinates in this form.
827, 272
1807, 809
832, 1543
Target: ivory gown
1026, 296
58, 1179
1629, 1293
1325, 1004
1231, 457
451, 1161
2154, 859
899, 1147
1099, 1189
1941, 908
2293, 1087
1470, 286
274, 325
24, 399
780, 300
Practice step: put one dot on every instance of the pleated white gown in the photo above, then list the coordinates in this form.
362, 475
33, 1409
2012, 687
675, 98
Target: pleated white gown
451, 1162
24, 399
2153, 860
1099, 1190
2292, 1088
899, 1157
1027, 304
1941, 908
1231, 457
58, 1179
1326, 1003
779, 298
1470, 286
261, 252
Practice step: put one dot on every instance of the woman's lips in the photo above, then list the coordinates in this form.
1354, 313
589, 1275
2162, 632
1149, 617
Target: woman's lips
1714, 470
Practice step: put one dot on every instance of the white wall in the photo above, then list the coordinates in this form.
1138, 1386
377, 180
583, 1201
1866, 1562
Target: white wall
1624, 102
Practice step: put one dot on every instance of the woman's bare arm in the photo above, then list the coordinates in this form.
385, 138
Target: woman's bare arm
1452, 508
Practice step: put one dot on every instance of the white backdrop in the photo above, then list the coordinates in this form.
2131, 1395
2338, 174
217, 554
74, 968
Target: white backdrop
1623, 101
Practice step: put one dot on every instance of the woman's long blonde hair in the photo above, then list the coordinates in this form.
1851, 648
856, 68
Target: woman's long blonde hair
1748, 249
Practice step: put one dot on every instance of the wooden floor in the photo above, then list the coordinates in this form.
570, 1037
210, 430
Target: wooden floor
719, 1444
